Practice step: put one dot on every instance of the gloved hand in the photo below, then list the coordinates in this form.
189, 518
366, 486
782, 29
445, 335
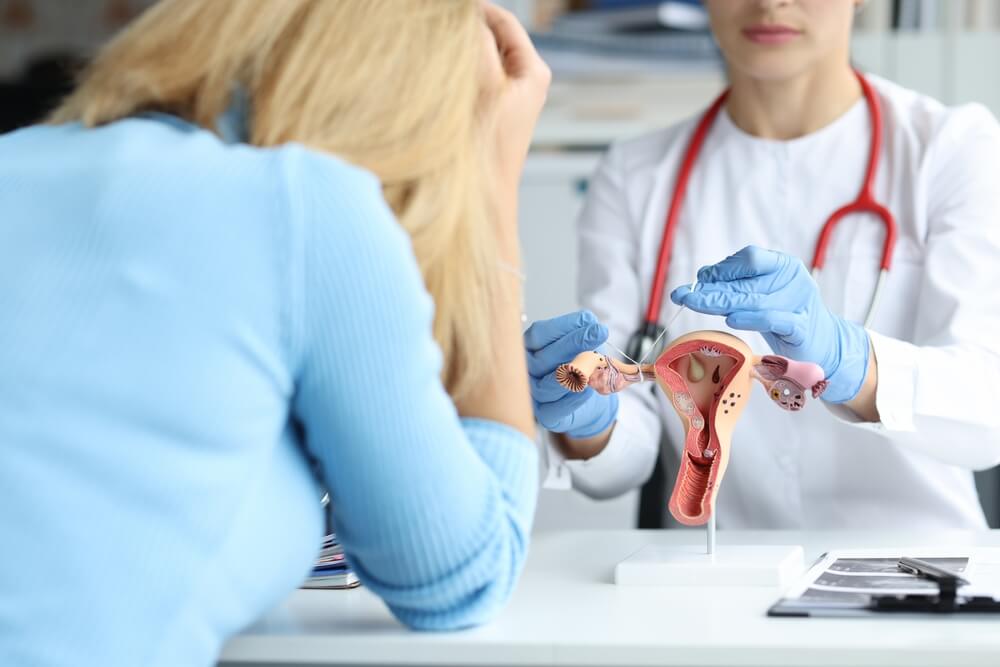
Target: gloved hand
551, 343
773, 293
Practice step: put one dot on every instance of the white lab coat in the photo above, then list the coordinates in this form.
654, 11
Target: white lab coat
935, 336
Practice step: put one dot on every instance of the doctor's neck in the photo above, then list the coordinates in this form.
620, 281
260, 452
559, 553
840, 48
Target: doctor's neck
792, 107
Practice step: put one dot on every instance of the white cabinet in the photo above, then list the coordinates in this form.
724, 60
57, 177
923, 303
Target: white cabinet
552, 193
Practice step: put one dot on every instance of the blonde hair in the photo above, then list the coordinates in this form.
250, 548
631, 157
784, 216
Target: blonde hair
390, 85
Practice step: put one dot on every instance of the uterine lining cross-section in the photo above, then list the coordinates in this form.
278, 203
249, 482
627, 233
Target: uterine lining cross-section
701, 378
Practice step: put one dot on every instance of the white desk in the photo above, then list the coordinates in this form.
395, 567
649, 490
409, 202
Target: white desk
567, 611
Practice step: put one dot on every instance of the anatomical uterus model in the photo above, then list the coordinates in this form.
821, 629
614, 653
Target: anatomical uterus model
707, 376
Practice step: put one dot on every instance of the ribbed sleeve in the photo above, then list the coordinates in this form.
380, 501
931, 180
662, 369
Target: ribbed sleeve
190, 324
434, 511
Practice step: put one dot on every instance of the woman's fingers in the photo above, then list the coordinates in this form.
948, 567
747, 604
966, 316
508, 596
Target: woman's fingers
507, 35
492, 72
514, 87
517, 53
520, 63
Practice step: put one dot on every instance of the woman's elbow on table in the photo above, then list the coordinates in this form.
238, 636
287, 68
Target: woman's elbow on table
474, 591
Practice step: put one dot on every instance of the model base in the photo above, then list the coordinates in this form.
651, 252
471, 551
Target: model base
776, 566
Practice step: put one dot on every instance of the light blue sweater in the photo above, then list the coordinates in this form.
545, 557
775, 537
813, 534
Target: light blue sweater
184, 323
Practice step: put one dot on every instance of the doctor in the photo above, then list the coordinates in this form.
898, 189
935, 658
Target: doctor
913, 405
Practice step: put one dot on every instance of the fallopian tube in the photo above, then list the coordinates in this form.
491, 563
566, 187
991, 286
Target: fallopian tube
706, 375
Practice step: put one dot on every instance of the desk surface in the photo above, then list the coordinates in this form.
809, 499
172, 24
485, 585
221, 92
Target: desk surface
567, 611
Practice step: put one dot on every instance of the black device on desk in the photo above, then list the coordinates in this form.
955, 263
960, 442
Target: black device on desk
945, 601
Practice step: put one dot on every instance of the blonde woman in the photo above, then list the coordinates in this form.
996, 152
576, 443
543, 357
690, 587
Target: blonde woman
261, 235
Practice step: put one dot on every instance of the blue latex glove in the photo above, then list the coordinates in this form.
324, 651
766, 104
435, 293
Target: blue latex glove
773, 293
551, 343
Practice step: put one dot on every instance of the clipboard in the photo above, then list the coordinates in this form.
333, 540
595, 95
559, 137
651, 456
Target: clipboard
872, 583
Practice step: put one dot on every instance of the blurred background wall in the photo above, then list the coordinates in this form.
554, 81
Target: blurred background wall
43, 42
621, 67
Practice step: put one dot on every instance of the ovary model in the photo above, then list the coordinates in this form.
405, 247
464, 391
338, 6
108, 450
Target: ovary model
707, 376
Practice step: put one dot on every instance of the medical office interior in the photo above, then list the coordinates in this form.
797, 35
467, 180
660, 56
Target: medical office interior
620, 68
612, 82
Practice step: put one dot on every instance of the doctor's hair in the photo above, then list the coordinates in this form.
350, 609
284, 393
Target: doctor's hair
393, 86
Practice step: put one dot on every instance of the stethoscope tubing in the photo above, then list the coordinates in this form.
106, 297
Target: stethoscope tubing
864, 203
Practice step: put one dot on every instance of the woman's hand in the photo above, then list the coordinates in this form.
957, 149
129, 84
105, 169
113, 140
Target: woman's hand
773, 293
517, 81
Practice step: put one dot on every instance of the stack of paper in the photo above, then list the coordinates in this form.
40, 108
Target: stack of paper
331, 569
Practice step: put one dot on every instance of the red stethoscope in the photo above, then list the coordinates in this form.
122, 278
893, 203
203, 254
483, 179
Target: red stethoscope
650, 332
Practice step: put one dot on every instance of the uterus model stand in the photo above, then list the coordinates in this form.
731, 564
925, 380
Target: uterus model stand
707, 375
